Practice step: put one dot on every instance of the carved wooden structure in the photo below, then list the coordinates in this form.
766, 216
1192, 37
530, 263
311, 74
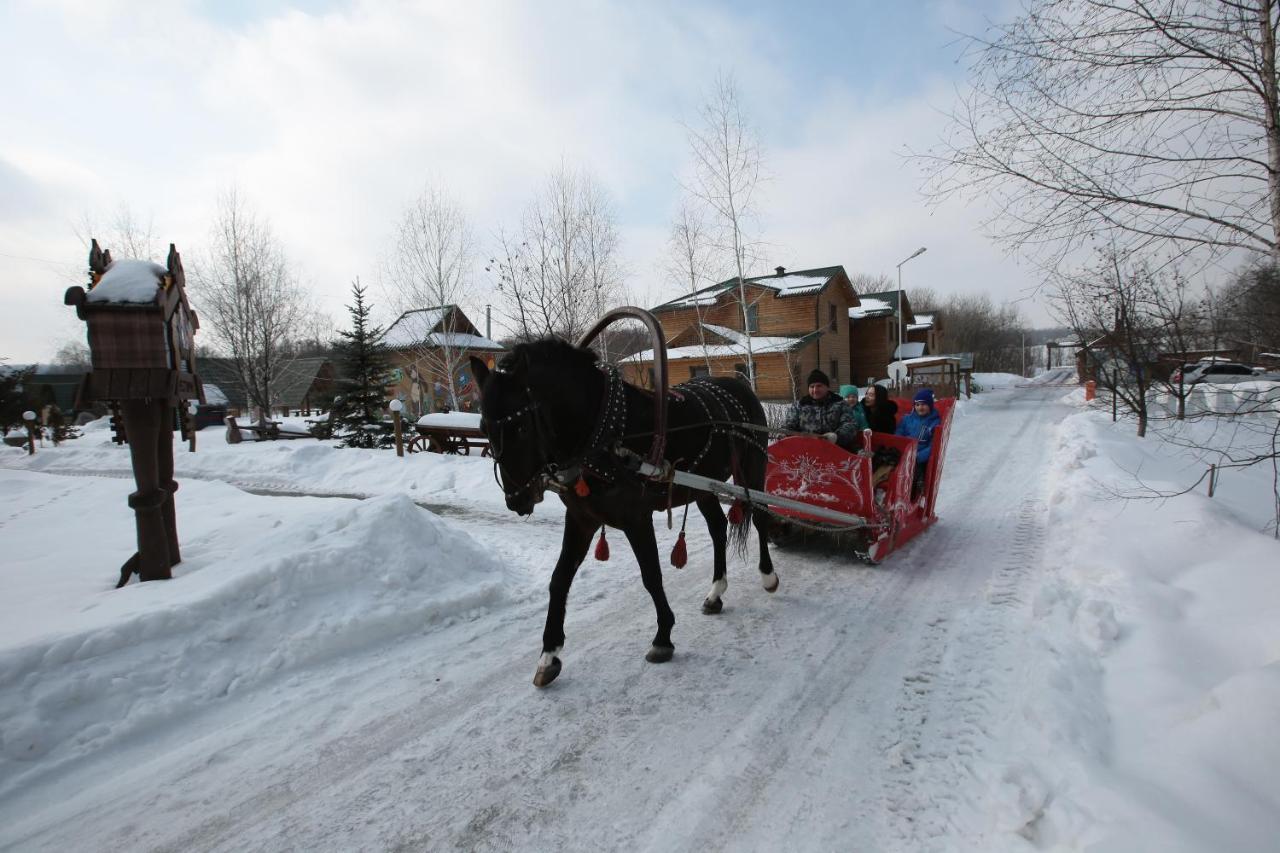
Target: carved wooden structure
141, 341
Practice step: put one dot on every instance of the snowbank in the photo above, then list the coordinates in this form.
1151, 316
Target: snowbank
268, 585
1158, 646
992, 381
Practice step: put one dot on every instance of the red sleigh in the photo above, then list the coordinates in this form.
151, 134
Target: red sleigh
816, 472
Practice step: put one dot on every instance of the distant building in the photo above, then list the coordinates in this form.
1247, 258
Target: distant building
874, 334
304, 385
795, 321
431, 347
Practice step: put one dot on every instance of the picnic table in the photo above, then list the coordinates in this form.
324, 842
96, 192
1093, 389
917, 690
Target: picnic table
449, 432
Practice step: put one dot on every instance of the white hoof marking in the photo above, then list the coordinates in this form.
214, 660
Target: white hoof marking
717, 589
546, 658
770, 581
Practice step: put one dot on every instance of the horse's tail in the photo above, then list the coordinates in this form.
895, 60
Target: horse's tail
748, 466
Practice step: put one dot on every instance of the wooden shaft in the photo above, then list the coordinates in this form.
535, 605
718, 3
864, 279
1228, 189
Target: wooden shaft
395, 419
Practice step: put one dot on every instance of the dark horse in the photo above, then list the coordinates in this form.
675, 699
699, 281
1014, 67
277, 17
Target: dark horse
557, 419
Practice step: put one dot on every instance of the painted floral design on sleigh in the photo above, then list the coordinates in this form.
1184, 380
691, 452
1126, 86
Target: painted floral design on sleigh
819, 479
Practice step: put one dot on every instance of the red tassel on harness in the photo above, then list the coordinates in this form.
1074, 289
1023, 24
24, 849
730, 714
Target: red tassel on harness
735, 513
679, 554
580, 488
602, 548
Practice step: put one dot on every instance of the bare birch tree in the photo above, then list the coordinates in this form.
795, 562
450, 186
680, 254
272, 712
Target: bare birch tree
690, 258
1143, 124
726, 172
560, 270
126, 233
249, 298
430, 267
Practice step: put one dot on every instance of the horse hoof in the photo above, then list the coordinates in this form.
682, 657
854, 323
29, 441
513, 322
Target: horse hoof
659, 654
770, 582
710, 606
546, 674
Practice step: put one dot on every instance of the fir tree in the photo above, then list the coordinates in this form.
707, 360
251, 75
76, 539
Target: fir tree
13, 397
357, 416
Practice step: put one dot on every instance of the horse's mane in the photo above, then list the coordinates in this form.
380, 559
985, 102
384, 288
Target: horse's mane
553, 353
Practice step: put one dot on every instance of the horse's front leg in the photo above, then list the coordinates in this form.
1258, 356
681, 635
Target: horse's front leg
573, 548
645, 545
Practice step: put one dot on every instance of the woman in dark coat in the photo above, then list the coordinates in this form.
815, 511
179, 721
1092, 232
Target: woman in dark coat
880, 411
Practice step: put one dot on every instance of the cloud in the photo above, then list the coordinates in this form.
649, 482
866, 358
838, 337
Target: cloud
331, 121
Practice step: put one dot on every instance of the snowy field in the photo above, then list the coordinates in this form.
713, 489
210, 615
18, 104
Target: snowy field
343, 661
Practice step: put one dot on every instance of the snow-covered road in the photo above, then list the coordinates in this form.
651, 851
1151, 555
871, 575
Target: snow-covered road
858, 708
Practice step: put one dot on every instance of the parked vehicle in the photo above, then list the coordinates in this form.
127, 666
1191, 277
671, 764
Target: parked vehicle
1218, 372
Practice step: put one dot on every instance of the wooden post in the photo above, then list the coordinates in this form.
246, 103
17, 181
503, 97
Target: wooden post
1213, 479
191, 427
396, 406
30, 418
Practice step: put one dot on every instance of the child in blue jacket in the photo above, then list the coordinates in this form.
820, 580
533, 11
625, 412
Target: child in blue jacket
919, 424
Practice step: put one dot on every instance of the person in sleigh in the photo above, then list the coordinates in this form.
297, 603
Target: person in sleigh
825, 414
918, 424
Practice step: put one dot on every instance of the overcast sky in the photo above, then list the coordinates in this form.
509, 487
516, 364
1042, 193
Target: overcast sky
330, 116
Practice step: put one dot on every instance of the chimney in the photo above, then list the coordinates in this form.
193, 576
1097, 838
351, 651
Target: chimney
780, 270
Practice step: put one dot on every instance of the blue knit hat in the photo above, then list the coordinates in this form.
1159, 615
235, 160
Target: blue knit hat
924, 395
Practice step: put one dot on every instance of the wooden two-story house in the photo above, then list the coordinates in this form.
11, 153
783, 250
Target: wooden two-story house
874, 334
795, 321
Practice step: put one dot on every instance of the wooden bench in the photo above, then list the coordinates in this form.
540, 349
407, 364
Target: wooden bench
269, 431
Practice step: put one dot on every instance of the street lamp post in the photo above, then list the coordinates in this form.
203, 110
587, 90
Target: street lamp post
917, 253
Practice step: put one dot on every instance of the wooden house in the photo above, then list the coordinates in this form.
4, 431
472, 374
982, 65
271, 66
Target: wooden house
877, 324
795, 321
429, 348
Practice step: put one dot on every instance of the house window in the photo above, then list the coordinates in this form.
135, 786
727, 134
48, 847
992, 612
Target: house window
831, 317
653, 379
835, 372
698, 370
753, 318
741, 371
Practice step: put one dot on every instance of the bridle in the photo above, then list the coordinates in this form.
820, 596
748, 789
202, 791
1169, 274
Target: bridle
533, 413
609, 428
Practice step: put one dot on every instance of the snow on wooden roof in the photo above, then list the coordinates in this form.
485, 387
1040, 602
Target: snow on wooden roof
759, 346
419, 328
129, 282
870, 307
784, 284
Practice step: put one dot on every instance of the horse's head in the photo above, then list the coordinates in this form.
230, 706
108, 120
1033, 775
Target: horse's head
517, 430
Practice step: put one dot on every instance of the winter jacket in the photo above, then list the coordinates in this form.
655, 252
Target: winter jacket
830, 414
921, 429
883, 416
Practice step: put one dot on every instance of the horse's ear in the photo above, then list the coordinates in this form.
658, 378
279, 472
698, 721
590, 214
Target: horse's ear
480, 370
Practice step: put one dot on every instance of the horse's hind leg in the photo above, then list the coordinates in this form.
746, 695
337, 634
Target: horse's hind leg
710, 508
645, 545
573, 548
754, 464
761, 519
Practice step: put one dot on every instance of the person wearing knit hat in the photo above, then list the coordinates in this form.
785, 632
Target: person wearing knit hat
849, 393
918, 424
825, 413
